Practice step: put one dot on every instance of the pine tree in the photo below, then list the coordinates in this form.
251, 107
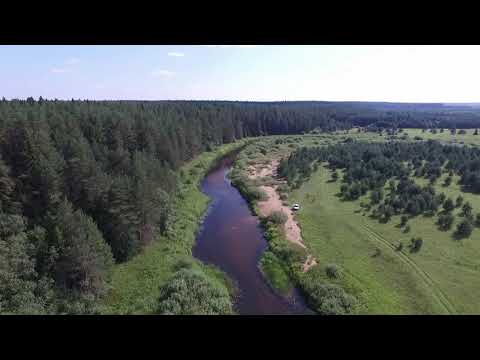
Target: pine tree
84, 259
467, 210
464, 229
448, 205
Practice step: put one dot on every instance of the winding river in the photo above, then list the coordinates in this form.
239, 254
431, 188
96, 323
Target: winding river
232, 239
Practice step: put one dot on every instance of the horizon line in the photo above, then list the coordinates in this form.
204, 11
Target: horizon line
250, 101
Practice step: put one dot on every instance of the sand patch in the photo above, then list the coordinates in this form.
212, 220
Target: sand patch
292, 230
310, 262
274, 203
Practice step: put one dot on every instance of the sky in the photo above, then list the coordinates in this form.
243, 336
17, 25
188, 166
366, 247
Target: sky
245, 73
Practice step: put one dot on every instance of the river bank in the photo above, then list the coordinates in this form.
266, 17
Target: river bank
135, 285
232, 239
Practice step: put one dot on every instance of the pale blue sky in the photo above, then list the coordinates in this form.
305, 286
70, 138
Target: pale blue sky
254, 73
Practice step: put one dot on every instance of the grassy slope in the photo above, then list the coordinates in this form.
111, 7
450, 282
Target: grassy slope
135, 284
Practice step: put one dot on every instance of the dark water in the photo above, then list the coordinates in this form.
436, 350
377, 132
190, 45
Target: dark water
232, 239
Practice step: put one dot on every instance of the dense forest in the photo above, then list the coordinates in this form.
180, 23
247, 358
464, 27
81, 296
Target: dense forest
85, 184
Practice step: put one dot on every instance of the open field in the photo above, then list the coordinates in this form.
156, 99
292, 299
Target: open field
442, 278
446, 136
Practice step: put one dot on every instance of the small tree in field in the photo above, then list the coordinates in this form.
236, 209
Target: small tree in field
416, 244
448, 205
459, 201
445, 221
403, 220
467, 210
464, 229
333, 271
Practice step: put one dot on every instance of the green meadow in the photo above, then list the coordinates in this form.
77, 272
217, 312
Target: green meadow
442, 278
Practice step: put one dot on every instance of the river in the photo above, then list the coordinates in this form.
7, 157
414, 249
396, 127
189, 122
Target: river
231, 238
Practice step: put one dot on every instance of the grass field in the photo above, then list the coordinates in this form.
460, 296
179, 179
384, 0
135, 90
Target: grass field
442, 278
446, 137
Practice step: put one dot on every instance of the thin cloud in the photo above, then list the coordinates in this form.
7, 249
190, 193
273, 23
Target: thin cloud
163, 73
72, 61
176, 54
66, 67
56, 70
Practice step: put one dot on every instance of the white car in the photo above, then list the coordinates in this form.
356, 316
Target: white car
296, 207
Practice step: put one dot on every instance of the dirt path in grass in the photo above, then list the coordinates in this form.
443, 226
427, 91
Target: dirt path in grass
435, 289
274, 203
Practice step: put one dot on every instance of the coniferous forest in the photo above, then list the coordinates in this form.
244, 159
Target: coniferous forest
87, 184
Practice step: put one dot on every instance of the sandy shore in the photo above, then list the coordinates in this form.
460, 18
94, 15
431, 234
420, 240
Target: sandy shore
274, 203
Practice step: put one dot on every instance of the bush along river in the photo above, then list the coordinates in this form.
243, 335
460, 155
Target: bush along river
231, 238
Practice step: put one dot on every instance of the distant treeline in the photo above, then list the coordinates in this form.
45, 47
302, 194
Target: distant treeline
84, 184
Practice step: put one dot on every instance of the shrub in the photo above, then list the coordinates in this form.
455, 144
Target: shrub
448, 205
467, 210
445, 221
459, 201
278, 217
258, 194
184, 263
329, 299
416, 244
464, 229
283, 188
192, 292
333, 271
